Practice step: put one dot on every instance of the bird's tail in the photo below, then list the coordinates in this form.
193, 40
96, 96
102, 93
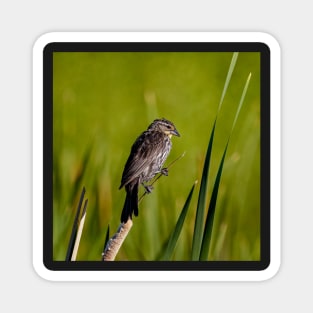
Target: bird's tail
131, 203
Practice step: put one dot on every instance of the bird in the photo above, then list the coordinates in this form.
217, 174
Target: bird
146, 159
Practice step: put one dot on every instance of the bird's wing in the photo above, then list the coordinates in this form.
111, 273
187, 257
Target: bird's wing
142, 153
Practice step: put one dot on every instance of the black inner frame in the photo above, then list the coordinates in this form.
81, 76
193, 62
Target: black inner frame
48, 51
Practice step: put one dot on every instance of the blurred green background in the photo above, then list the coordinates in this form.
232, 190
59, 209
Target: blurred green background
102, 101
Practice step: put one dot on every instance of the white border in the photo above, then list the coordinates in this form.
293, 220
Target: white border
38, 157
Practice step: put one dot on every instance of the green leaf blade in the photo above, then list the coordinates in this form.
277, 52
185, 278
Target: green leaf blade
229, 75
211, 213
243, 95
178, 227
198, 228
199, 222
207, 234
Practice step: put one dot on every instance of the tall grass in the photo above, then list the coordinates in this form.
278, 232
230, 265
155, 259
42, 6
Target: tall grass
104, 101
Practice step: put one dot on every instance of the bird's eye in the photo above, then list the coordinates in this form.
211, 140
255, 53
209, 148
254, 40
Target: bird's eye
168, 127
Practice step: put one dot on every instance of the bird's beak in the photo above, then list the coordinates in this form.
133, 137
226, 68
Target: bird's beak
175, 133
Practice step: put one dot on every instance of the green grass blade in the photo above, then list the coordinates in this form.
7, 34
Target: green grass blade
229, 74
243, 95
211, 212
178, 227
198, 229
205, 247
107, 236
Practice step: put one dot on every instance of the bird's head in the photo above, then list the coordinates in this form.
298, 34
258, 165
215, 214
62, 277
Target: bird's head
164, 126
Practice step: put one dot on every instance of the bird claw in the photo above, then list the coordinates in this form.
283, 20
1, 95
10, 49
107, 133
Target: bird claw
148, 188
164, 171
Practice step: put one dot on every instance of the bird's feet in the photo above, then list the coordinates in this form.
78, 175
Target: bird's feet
148, 188
164, 171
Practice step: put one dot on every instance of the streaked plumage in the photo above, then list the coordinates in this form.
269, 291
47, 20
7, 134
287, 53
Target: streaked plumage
146, 159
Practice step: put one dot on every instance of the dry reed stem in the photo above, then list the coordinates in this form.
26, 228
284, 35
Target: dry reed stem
116, 241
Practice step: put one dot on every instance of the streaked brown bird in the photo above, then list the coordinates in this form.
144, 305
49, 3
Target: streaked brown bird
146, 159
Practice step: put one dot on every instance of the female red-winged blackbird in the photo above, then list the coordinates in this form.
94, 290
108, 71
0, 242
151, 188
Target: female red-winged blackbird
146, 159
